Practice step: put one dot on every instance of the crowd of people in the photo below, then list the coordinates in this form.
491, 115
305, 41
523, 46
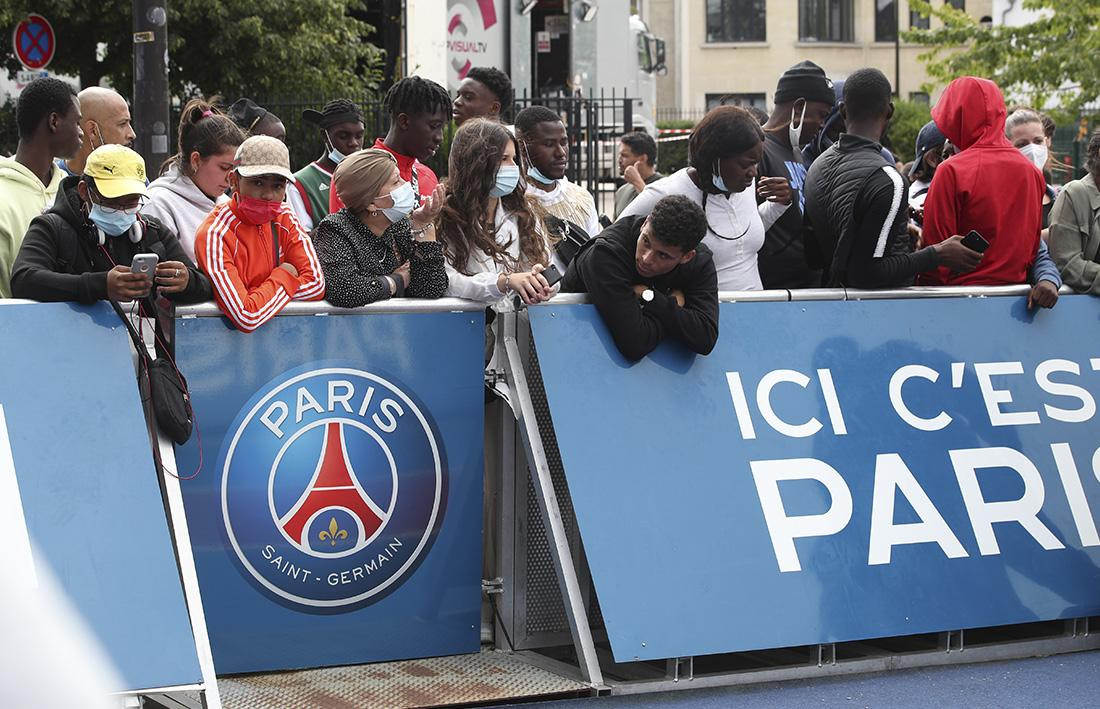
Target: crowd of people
804, 197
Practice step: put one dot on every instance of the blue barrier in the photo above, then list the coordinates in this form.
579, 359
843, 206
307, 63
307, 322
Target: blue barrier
832, 471
88, 485
337, 517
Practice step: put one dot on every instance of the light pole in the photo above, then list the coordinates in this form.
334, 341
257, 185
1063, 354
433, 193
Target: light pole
897, 48
151, 82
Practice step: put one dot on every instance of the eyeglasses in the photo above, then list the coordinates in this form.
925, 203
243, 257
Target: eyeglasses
112, 209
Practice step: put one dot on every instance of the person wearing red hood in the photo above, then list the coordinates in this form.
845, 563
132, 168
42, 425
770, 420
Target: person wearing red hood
989, 187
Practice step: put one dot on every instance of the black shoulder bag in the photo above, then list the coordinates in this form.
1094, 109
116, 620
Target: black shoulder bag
163, 385
572, 236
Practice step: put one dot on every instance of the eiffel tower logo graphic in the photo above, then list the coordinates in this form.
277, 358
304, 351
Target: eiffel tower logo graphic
333, 485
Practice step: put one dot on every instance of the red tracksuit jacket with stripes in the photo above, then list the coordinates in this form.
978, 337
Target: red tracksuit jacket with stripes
243, 260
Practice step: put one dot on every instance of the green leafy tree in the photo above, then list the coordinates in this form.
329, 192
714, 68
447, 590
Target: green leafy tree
909, 118
277, 47
1054, 57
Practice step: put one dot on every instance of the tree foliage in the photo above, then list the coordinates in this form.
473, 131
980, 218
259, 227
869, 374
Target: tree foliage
909, 118
1055, 58
277, 47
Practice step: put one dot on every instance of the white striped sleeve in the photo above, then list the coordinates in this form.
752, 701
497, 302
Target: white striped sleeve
895, 204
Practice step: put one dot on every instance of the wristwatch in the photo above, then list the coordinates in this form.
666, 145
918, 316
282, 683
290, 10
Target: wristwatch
647, 295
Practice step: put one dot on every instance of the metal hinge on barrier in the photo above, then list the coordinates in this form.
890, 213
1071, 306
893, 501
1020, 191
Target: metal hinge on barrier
495, 376
492, 586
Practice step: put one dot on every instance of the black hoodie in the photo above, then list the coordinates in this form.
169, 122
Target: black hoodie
606, 270
61, 259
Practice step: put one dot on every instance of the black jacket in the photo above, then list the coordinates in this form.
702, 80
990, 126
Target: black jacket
61, 259
605, 269
354, 259
857, 216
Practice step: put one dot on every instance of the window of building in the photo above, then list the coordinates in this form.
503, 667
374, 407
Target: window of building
957, 4
736, 20
919, 97
918, 21
743, 100
826, 21
886, 20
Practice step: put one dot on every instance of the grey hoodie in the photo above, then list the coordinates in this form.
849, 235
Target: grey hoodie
180, 205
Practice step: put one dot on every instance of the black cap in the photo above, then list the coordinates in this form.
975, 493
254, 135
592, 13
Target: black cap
805, 80
930, 137
246, 113
334, 113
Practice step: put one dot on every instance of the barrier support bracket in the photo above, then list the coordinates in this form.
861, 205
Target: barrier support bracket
551, 513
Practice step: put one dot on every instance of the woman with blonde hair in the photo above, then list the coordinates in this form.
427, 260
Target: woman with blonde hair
377, 246
492, 235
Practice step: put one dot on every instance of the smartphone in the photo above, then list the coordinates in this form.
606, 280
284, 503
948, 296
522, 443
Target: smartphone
552, 274
975, 242
145, 264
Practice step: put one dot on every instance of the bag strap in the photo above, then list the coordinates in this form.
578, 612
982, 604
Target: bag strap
138, 344
146, 361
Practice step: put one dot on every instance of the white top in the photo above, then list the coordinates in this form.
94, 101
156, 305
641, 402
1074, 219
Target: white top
294, 199
737, 218
569, 201
481, 285
180, 205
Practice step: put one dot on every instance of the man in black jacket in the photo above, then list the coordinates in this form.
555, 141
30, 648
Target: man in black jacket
856, 207
81, 248
650, 278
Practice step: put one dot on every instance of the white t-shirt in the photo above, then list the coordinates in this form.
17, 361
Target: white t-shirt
736, 230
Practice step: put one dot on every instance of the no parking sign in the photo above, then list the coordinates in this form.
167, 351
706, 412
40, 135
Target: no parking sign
34, 42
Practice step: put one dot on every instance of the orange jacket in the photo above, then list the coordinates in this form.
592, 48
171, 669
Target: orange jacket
242, 263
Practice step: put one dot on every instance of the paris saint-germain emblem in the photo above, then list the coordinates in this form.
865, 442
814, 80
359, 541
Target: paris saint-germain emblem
333, 487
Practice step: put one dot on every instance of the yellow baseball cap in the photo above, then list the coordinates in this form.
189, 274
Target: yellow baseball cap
117, 171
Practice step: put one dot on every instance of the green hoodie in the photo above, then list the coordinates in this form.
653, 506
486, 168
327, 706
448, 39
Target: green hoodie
22, 198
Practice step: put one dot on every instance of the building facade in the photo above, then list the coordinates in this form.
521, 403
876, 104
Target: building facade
733, 51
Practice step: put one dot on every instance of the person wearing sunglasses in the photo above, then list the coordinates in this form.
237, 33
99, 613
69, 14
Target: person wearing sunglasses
81, 249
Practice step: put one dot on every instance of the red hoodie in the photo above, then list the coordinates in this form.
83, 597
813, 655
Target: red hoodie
989, 187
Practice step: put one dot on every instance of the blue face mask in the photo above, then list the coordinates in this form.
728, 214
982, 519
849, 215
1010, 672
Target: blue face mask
335, 155
716, 178
535, 174
404, 200
507, 179
115, 222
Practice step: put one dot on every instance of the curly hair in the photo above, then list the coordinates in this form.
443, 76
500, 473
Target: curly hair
41, 97
678, 221
476, 150
497, 82
724, 132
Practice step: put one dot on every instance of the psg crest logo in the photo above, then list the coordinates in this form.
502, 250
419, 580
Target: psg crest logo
333, 487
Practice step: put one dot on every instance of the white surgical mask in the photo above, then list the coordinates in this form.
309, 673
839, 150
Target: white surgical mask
404, 200
1036, 153
716, 178
795, 134
334, 155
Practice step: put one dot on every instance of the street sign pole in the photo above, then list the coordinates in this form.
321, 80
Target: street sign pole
151, 82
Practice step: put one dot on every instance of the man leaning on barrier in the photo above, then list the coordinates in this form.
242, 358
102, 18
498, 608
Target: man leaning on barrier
650, 278
82, 248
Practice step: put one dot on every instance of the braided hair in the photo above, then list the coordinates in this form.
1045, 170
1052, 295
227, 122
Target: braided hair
334, 111
413, 95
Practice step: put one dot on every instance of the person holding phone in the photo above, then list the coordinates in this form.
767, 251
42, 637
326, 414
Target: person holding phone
82, 249
991, 188
493, 239
856, 216
726, 149
650, 279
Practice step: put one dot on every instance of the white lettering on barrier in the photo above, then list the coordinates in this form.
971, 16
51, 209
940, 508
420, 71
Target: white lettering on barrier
13, 524
784, 529
1042, 377
1075, 494
340, 393
993, 398
983, 515
904, 374
892, 474
767, 411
